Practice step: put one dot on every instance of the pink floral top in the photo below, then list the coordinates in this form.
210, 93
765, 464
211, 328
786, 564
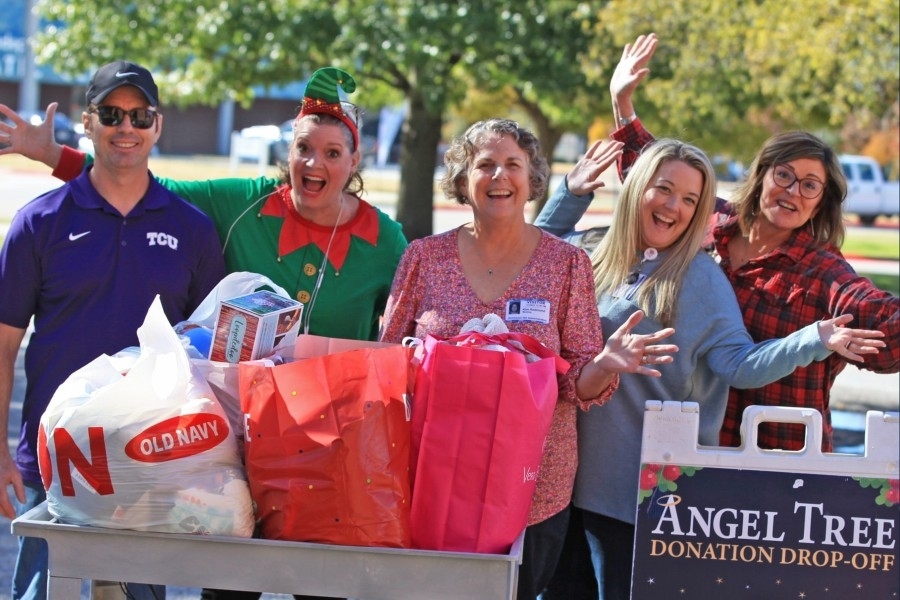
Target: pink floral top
431, 295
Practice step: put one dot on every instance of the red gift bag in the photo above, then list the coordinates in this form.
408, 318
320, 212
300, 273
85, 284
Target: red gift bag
327, 443
479, 421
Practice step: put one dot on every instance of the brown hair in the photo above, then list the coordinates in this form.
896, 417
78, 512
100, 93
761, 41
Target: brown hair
827, 225
355, 183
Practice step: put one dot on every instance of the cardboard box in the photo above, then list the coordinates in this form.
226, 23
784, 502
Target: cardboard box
249, 327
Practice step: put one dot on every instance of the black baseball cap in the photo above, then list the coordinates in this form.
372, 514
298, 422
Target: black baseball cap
116, 74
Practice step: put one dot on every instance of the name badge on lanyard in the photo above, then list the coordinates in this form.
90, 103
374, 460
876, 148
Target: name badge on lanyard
528, 310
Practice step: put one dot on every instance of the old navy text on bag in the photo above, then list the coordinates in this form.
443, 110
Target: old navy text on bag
149, 450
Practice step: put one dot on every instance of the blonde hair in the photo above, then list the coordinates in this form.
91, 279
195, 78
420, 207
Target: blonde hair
616, 255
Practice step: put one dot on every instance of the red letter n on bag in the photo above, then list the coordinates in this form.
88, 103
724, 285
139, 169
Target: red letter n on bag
94, 471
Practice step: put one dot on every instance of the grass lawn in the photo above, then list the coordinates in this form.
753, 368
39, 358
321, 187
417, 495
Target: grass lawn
872, 242
864, 247
888, 283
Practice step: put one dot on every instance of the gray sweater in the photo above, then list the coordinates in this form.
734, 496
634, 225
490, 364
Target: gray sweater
715, 352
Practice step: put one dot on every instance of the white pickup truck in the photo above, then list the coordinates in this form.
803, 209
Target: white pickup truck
869, 194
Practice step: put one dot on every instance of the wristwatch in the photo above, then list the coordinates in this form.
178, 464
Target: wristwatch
623, 121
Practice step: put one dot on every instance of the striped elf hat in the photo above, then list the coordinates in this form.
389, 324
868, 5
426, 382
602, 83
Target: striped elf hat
321, 97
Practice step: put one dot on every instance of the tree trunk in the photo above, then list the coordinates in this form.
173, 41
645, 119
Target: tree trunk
418, 155
549, 137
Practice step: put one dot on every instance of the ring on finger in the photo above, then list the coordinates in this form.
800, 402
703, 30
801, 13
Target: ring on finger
850, 343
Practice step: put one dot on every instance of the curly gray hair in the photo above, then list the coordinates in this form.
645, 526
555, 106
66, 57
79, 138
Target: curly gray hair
462, 149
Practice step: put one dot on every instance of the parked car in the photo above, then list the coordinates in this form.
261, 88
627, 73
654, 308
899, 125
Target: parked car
570, 148
869, 194
727, 169
280, 148
280, 138
65, 131
276, 138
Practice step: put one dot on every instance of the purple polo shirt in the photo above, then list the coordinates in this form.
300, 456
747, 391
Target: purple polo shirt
88, 276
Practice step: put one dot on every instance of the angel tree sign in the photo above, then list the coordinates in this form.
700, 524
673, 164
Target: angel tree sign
706, 532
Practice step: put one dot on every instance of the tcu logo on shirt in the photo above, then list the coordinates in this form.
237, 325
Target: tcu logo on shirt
162, 239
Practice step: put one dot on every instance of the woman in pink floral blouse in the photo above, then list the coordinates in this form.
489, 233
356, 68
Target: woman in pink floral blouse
497, 264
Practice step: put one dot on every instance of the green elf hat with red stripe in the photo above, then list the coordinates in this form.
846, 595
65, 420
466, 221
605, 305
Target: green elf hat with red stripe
321, 97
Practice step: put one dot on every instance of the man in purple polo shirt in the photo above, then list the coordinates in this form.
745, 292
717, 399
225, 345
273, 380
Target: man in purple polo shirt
85, 261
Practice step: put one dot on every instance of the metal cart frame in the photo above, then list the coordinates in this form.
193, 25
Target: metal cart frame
78, 553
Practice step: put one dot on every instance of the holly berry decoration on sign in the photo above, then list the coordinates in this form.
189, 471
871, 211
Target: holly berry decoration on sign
888, 489
656, 476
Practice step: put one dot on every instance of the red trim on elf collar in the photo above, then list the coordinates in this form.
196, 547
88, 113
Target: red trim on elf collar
298, 232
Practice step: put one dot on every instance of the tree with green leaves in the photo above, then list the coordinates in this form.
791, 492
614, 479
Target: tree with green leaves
201, 51
541, 58
427, 54
434, 53
727, 75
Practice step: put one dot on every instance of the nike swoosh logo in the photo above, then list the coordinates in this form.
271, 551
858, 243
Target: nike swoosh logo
125, 74
76, 236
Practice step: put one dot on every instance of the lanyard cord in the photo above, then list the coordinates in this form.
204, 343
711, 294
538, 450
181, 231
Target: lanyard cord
238, 218
312, 301
315, 293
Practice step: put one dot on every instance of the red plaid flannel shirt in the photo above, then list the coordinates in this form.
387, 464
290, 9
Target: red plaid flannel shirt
789, 288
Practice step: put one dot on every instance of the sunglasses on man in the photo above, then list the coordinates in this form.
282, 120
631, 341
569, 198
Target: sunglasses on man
112, 116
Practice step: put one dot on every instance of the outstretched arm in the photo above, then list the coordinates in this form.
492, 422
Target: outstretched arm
18, 136
584, 178
628, 74
852, 344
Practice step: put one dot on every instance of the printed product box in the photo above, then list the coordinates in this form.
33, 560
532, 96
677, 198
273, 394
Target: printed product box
249, 327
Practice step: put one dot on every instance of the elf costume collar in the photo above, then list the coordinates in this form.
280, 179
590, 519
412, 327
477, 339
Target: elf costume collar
298, 232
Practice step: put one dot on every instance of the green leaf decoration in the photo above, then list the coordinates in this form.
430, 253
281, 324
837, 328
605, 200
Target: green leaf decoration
882, 485
667, 486
868, 482
664, 484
